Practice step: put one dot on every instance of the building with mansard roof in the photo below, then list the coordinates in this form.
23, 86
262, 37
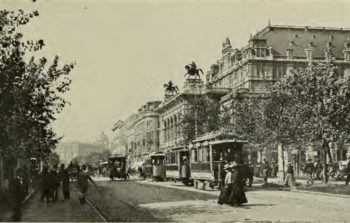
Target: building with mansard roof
268, 56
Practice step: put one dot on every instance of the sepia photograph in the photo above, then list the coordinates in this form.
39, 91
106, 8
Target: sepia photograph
174, 111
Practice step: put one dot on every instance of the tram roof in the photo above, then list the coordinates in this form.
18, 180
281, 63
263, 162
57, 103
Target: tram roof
218, 136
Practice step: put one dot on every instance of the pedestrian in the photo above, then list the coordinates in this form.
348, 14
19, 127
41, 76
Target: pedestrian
45, 185
274, 169
347, 172
265, 170
16, 194
64, 177
222, 173
54, 183
250, 174
290, 180
83, 183
237, 196
25, 178
309, 170
226, 186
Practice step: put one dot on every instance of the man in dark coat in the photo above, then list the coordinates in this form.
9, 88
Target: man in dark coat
17, 194
83, 183
64, 177
265, 170
309, 170
25, 178
45, 184
55, 183
347, 180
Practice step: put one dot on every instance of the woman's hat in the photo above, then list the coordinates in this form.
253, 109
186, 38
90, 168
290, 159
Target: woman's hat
233, 165
226, 166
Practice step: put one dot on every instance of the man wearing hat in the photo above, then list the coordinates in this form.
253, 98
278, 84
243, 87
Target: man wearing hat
347, 180
309, 170
290, 181
55, 182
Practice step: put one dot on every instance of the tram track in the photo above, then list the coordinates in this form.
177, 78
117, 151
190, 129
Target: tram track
92, 206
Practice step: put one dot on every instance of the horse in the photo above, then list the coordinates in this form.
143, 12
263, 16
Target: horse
171, 88
192, 70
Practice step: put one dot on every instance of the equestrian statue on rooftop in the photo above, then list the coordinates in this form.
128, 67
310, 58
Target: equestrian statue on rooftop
193, 71
170, 88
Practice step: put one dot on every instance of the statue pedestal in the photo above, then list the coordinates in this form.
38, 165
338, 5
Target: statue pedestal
193, 86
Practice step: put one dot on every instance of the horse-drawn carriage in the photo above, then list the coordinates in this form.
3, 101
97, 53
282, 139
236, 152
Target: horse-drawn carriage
117, 167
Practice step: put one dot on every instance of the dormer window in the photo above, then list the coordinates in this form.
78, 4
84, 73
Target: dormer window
260, 52
308, 54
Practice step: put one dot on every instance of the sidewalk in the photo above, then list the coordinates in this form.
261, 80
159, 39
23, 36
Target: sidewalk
6, 209
61, 211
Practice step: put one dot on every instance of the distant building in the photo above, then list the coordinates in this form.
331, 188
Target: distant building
146, 131
69, 150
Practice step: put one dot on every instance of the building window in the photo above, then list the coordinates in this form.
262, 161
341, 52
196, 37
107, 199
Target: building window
260, 52
309, 54
347, 55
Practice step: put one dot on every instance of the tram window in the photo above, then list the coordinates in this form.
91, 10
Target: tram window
194, 155
200, 153
205, 154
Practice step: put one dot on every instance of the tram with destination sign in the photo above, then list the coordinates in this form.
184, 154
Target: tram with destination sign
177, 166
208, 155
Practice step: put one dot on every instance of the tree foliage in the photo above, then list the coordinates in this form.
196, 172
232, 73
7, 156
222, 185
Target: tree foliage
31, 90
201, 116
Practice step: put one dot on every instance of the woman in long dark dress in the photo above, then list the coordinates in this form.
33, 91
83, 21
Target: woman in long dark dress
226, 188
237, 195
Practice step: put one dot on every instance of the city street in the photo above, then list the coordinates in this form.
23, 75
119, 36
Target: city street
144, 201
152, 201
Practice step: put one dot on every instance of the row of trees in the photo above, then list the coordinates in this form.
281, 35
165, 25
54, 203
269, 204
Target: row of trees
31, 91
310, 104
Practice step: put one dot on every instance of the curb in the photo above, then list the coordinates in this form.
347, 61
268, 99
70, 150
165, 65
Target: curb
280, 189
320, 193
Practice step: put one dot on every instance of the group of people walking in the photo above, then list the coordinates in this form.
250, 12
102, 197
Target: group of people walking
50, 181
232, 190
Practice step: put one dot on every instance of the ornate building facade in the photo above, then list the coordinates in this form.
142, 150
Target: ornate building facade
268, 57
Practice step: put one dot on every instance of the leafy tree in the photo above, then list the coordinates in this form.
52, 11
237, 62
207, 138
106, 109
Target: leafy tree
30, 91
201, 116
323, 104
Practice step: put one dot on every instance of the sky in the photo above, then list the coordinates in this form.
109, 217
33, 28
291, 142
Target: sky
126, 50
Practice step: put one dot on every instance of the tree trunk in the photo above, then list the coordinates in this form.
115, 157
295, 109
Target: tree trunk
1, 173
283, 162
324, 181
329, 152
